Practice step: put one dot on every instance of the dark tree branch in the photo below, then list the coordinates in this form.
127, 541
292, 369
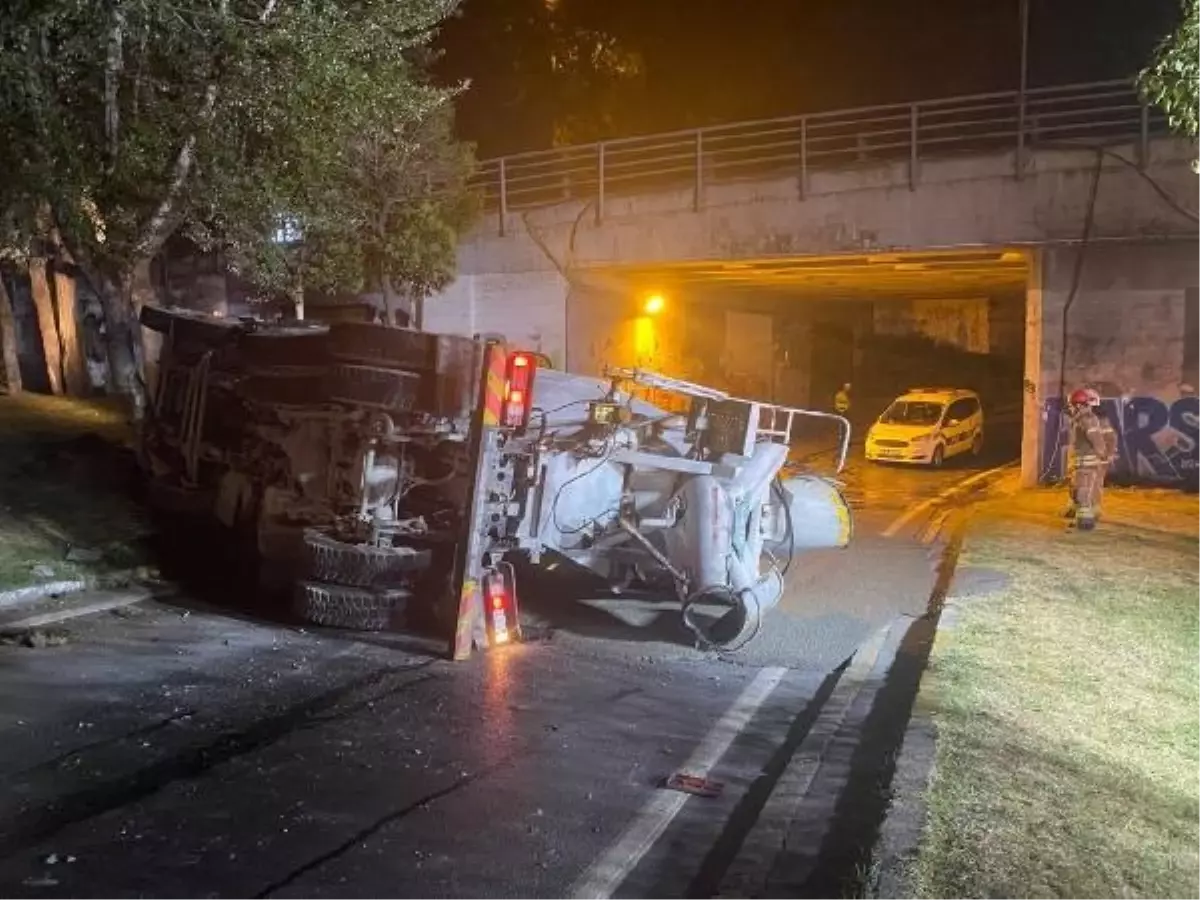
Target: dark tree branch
113, 65
158, 227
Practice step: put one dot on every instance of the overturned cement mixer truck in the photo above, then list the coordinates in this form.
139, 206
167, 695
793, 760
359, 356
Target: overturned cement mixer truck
388, 478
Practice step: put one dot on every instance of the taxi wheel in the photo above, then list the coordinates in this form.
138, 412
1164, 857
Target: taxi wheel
939, 457
977, 445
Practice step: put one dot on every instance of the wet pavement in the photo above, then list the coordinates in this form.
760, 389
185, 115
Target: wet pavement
173, 750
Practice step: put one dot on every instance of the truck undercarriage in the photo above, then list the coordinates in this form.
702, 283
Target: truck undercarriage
387, 478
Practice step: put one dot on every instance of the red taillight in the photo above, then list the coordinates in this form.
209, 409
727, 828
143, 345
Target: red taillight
502, 613
519, 392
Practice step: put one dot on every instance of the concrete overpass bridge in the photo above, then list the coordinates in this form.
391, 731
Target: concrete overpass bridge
1060, 227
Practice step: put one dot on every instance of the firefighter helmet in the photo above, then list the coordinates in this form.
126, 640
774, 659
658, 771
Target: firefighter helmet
1084, 397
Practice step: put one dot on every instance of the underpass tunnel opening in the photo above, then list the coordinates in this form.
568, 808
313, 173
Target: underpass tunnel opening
795, 331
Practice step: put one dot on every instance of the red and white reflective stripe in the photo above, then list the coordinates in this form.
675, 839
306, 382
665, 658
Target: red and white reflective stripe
494, 388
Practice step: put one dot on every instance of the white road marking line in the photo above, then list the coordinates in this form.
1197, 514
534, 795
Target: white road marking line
748, 873
910, 514
608, 871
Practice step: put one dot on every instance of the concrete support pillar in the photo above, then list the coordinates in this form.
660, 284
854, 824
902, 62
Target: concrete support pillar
1033, 386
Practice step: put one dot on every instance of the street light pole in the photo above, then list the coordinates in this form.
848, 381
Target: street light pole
1024, 84
1024, 45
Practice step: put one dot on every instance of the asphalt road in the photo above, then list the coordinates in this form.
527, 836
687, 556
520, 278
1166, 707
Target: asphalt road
174, 750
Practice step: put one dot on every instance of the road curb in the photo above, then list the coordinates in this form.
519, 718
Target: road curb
903, 825
80, 604
36, 592
52, 590
764, 851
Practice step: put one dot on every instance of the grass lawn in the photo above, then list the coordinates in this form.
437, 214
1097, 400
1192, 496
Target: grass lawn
61, 486
1067, 716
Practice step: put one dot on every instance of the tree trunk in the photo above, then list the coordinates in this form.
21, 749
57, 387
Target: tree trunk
8, 343
389, 301
47, 326
298, 299
394, 304
73, 368
143, 292
123, 342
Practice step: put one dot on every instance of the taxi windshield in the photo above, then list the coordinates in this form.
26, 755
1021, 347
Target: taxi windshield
912, 412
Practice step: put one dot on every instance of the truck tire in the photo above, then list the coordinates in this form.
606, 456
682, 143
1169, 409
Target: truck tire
393, 390
293, 344
377, 345
352, 565
337, 606
296, 389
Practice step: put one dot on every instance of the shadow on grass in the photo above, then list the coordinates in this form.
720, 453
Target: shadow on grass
70, 505
1015, 815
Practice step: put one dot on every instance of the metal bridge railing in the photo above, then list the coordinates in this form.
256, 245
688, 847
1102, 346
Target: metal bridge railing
1099, 112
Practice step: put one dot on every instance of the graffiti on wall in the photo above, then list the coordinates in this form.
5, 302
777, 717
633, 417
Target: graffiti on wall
1157, 440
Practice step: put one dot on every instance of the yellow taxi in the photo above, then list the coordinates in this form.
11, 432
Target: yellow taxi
927, 426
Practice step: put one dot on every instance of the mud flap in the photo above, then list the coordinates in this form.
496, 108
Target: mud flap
471, 629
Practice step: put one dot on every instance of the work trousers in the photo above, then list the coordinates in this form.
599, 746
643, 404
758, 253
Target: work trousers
1087, 489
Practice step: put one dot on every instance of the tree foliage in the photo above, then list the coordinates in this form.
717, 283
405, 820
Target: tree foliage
553, 71
1172, 81
128, 120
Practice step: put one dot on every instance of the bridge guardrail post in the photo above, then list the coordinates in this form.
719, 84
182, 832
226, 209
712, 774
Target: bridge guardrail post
698, 196
503, 195
803, 178
1143, 148
913, 159
600, 182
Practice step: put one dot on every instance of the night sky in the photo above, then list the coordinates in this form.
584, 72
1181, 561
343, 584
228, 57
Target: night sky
707, 61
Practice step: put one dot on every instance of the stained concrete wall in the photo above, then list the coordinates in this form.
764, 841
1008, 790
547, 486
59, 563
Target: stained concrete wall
967, 201
1006, 325
1128, 334
529, 308
1130, 341
960, 323
749, 354
607, 328
511, 283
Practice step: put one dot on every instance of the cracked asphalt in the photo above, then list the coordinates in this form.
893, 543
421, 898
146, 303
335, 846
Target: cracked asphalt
170, 749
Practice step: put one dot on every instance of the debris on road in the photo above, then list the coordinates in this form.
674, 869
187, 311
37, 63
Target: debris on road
694, 784
35, 638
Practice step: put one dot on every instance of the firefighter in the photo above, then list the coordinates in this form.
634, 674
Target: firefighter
1092, 448
841, 400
